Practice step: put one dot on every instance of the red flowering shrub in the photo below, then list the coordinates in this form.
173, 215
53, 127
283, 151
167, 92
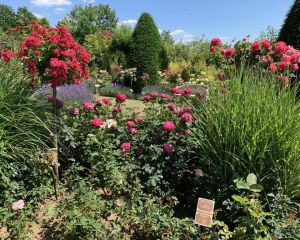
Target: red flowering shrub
278, 58
52, 56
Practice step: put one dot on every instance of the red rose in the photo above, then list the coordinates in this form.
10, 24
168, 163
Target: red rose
96, 122
256, 46
215, 42
168, 126
120, 97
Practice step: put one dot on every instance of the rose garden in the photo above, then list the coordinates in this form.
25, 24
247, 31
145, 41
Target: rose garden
114, 133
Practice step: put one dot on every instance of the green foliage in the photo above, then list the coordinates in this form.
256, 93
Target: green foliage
145, 50
290, 31
7, 17
254, 127
185, 75
91, 19
24, 16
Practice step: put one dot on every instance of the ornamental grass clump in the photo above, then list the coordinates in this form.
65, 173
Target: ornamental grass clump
253, 126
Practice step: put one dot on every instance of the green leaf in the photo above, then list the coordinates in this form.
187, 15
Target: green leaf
256, 188
251, 179
240, 184
242, 200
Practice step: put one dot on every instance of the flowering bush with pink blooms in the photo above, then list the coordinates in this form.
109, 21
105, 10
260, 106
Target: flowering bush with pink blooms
152, 146
278, 58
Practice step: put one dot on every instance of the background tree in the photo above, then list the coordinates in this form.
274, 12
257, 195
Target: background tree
7, 17
83, 21
145, 50
290, 31
24, 16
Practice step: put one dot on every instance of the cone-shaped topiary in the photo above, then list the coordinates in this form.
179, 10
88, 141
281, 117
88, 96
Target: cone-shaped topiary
290, 31
145, 50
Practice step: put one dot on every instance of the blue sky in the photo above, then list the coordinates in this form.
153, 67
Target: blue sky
186, 19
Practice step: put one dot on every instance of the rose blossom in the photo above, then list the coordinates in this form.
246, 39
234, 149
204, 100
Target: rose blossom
175, 90
168, 148
106, 100
273, 67
59, 103
154, 94
171, 105
96, 122
18, 205
120, 97
168, 126
186, 118
280, 47
139, 120
133, 131
187, 91
126, 146
215, 42
256, 46
266, 45
165, 96
74, 111
295, 67
88, 106
147, 98
229, 53
130, 124
117, 110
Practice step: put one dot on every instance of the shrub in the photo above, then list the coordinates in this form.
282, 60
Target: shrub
145, 50
290, 31
251, 126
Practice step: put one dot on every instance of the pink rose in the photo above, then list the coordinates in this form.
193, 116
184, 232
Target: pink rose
256, 46
273, 67
117, 110
73, 111
186, 118
165, 96
280, 48
120, 97
18, 205
215, 42
147, 98
154, 94
130, 124
88, 106
133, 131
295, 67
126, 146
187, 91
171, 106
266, 45
106, 100
168, 148
139, 120
229, 53
175, 90
97, 122
168, 126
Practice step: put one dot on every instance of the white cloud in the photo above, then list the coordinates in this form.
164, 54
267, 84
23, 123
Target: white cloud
39, 16
178, 32
49, 3
59, 10
129, 22
89, 1
180, 35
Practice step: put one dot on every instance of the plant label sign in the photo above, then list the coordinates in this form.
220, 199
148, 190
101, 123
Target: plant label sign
204, 212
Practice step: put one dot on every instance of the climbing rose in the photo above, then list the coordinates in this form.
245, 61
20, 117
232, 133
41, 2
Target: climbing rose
106, 100
96, 122
126, 146
7, 56
266, 45
215, 42
295, 67
229, 53
186, 118
130, 124
120, 97
18, 205
168, 126
73, 111
280, 48
168, 148
147, 98
273, 67
256, 46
